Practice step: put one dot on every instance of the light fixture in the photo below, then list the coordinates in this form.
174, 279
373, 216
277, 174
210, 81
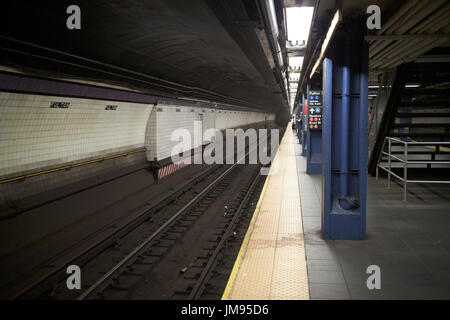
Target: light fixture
295, 63
337, 18
294, 76
298, 24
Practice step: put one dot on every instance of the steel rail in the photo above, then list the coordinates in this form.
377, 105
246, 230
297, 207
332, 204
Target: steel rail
136, 250
199, 285
127, 227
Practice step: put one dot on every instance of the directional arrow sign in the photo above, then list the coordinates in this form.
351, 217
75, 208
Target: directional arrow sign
311, 110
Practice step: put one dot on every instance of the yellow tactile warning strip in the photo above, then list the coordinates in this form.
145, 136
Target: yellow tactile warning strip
271, 263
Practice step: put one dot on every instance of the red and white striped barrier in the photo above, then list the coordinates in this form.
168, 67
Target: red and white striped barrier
171, 168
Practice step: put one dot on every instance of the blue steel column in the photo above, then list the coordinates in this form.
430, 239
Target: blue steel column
363, 137
327, 86
344, 137
345, 124
307, 132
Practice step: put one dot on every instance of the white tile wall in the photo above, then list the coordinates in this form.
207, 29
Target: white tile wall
234, 119
33, 135
164, 120
162, 123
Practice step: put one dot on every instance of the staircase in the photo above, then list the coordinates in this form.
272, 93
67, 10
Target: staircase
413, 104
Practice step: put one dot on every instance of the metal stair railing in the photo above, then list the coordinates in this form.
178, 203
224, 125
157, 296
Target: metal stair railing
390, 141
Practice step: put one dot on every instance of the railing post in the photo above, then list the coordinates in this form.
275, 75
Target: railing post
376, 174
389, 164
380, 158
405, 171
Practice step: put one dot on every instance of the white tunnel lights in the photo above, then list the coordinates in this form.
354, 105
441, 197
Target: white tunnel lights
337, 18
295, 63
294, 76
298, 23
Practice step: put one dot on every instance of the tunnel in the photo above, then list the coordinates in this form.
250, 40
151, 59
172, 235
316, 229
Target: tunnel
225, 150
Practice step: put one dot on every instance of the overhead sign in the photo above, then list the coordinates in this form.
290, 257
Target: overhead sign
315, 110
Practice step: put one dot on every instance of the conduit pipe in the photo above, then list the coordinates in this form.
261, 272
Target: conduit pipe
345, 122
273, 24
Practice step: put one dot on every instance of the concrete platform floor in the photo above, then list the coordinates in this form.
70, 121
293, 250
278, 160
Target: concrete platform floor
409, 241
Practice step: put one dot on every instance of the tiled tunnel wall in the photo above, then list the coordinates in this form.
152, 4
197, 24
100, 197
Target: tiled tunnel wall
166, 118
35, 135
39, 132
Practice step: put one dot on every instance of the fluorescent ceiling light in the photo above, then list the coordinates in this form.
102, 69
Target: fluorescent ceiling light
298, 21
337, 18
296, 62
294, 76
411, 85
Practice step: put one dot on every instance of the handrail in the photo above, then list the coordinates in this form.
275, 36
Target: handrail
38, 173
419, 142
405, 161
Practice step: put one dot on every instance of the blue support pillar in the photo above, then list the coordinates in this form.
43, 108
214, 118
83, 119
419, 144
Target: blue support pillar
345, 96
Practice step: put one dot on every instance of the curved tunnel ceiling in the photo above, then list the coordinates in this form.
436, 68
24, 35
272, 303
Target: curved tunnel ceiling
190, 42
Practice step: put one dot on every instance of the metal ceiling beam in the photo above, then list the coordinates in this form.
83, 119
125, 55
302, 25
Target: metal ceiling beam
408, 36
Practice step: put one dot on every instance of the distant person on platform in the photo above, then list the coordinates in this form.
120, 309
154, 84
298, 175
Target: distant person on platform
299, 125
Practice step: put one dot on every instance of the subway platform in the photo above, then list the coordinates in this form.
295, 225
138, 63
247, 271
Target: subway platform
284, 256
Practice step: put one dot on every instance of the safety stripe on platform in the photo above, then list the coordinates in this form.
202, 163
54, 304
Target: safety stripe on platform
271, 263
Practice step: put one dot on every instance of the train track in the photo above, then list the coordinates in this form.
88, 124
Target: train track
36, 285
151, 249
188, 213
237, 225
166, 229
